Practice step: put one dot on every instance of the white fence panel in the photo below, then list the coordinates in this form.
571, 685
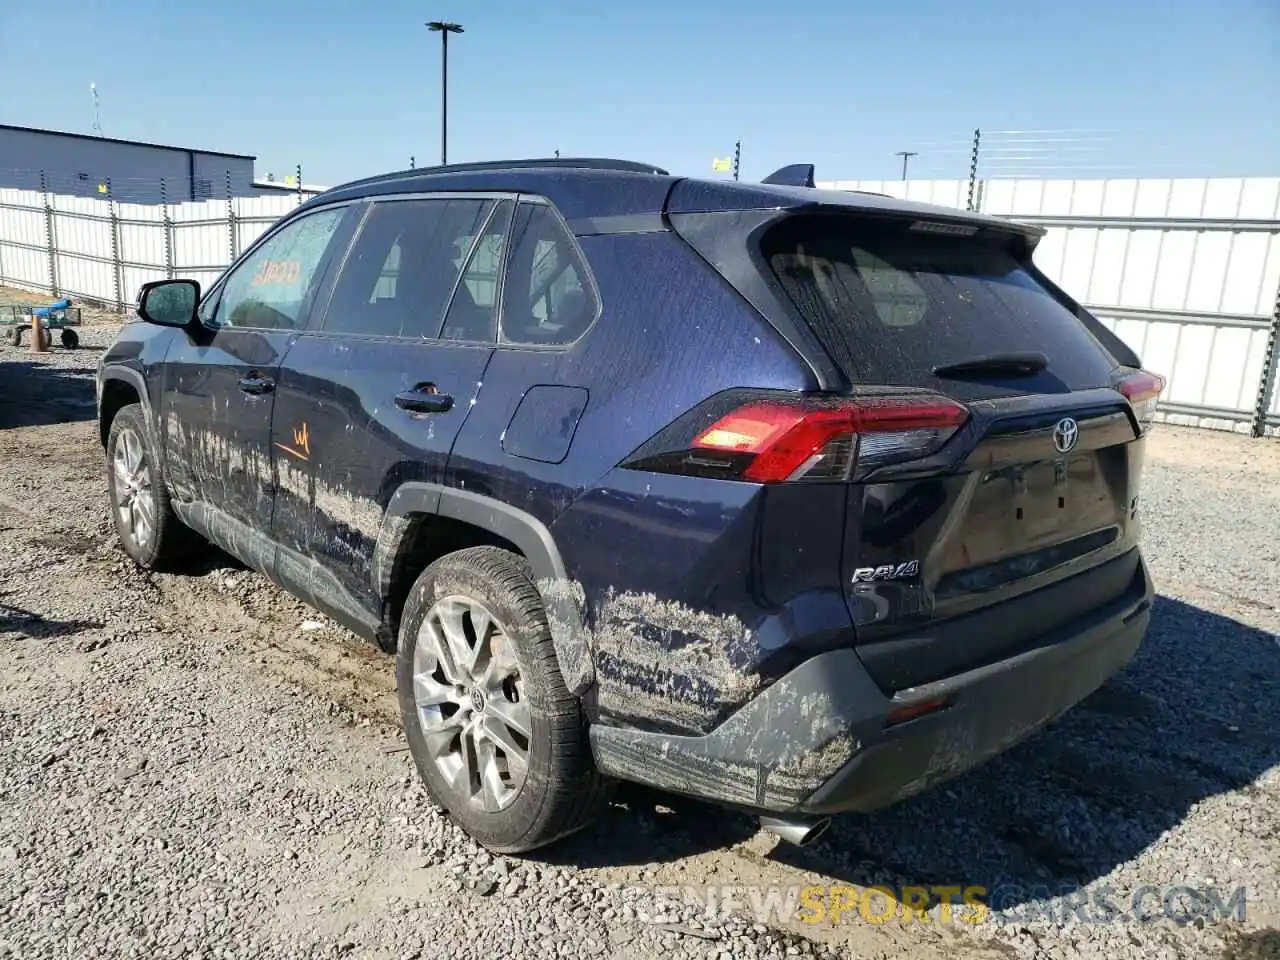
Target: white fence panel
24, 257
201, 240
134, 277
24, 268
255, 215
142, 245
95, 240
1185, 271
207, 210
83, 237
201, 244
78, 234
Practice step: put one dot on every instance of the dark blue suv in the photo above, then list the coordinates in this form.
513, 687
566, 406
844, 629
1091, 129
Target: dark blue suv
796, 501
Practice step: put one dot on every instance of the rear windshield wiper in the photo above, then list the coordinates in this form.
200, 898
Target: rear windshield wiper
1021, 364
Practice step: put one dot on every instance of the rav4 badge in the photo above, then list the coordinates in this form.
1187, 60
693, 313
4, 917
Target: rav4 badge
888, 571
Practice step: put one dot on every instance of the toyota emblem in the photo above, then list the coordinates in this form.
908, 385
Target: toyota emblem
1065, 434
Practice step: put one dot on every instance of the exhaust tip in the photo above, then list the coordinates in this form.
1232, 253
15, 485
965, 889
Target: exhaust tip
800, 832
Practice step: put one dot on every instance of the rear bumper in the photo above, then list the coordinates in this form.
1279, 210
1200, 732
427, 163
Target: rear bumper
817, 741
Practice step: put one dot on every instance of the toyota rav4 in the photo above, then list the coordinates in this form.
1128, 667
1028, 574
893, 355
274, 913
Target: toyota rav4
792, 500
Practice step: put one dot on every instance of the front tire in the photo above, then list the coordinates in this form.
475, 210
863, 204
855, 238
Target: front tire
499, 741
150, 532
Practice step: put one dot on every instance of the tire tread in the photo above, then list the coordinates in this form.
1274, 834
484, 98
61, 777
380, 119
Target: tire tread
174, 541
576, 791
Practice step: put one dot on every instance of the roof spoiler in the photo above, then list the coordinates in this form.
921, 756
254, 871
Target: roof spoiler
795, 175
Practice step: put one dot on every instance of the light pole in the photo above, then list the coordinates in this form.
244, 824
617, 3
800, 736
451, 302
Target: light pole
905, 155
444, 28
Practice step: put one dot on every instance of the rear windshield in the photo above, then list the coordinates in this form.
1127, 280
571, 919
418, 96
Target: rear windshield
890, 304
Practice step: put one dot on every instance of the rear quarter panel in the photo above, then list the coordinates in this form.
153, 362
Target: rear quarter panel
671, 333
664, 565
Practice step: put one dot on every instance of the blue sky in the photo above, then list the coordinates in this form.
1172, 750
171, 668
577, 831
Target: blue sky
1144, 87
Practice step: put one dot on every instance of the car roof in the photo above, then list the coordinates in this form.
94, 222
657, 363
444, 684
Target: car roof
579, 188
590, 190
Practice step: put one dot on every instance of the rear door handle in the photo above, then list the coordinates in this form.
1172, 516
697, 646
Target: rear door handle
424, 398
256, 385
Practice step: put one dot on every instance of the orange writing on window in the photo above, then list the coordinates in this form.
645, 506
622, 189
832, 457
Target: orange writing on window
277, 271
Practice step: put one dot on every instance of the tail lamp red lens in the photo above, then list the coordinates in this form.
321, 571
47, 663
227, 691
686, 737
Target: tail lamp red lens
794, 440
1142, 389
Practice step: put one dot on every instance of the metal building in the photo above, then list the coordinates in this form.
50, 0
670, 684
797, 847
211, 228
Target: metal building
91, 166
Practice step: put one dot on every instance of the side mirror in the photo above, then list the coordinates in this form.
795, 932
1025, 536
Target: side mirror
169, 303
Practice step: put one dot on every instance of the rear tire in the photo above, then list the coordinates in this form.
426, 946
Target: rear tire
70, 339
474, 653
149, 530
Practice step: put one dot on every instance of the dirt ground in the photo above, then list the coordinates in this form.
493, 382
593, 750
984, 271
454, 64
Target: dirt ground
198, 765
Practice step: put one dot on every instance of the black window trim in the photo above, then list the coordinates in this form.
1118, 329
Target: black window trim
499, 282
587, 277
213, 295
320, 311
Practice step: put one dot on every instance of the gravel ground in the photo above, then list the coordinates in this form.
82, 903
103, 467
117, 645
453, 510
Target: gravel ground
198, 765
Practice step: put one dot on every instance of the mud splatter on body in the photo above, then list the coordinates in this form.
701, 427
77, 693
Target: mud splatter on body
661, 660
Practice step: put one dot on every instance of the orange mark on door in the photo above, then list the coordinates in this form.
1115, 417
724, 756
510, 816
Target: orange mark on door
301, 443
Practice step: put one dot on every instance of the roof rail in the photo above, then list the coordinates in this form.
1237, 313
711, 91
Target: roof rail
568, 163
795, 175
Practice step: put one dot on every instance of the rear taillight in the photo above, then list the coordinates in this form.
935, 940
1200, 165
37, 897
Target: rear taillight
1142, 389
775, 440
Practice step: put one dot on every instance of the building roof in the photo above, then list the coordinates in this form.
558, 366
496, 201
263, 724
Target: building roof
132, 143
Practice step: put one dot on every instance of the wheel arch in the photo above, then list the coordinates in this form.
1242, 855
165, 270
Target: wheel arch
414, 503
117, 388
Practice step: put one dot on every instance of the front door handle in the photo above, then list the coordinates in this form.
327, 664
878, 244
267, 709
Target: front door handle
424, 398
256, 384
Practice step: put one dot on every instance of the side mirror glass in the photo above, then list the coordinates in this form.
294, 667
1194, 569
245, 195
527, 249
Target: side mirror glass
169, 303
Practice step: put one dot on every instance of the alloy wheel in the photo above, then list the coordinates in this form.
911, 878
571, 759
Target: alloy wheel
470, 705
131, 476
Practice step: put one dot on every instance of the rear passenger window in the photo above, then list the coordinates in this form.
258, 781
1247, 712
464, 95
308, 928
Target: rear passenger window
473, 314
547, 298
404, 267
